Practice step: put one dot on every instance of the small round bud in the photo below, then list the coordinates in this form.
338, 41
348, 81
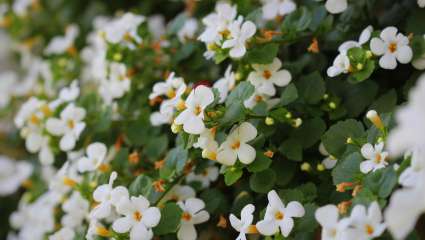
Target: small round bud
306, 167
296, 123
332, 105
117, 57
175, 128
288, 115
369, 54
350, 141
269, 121
238, 76
326, 96
360, 66
320, 167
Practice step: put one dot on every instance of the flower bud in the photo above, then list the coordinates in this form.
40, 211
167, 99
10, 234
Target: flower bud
320, 167
269, 121
296, 123
373, 116
306, 167
175, 128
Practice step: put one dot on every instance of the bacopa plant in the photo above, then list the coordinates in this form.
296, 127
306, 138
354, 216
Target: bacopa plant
271, 119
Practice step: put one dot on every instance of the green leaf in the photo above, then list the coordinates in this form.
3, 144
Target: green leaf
386, 102
156, 147
243, 91
280, 115
347, 169
335, 139
174, 161
289, 195
309, 132
177, 24
170, 219
307, 223
234, 112
289, 94
299, 20
311, 87
263, 54
232, 175
214, 200
292, 149
261, 163
142, 185
262, 182
381, 182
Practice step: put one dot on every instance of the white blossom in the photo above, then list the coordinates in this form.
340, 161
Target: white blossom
273, 8
226, 84
96, 155
193, 214
244, 224
240, 33
12, 174
367, 223
61, 44
376, 158
335, 6
210, 174
188, 30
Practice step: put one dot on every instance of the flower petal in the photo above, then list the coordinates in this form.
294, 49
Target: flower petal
187, 232
246, 153
295, 209
122, 225
267, 227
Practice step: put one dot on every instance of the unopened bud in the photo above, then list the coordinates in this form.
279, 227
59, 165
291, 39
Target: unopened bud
306, 167
117, 57
175, 128
349, 141
269, 121
369, 54
320, 167
373, 116
332, 105
360, 66
296, 123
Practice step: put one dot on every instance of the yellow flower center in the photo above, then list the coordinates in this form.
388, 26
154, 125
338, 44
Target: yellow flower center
252, 229
103, 232
34, 119
71, 124
137, 216
267, 74
186, 216
392, 47
369, 229
69, 182
236, 145
279, 215
197, 110
171, 93
378, 158
258, 98
225, 33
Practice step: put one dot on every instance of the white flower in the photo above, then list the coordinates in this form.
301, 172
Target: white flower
70, 93
392, 47
188, 30
243, 225
168, 88
193, 214
59, 45
341, 63
333, 228
116, 85
421, 3
96, 155
278, 216
69, 126
139, 218
218, 22
412, 175
209, 175
207, 136
273, 8
156, 25
123, 28
63, 234
226, 84
192, 117
76, 210
12, 174
329, 162
240, 33
368, 224
236, 145
20, 7
265, 77
335, 6
107, 196
8, 82
405, 208
376, 158
257, 97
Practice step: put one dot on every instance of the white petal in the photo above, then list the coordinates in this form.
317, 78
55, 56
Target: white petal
389, 34
377, 46
205, 95
374, 213
368, 151
33, 142
235, 222
404, 54
140, 203
295, 209
286, 226
237, 51
122, 225
140, 232
336, 6
281, 78
187, 232
55, 126
327, 215
267, 227
194, 125
227, 157
248, 30
200, 217
367, 166
247, 132
358, 213
67, 142
388, 61
96, 150
194, 205
246, 153
151, 217
118, 193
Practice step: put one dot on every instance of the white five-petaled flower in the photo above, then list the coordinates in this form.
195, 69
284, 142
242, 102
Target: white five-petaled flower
368, 224
236, 145
265, 77
192, 117
333, 228
107, 196
210, 174
240, 33
273, 8
59, 45
279, 216
167, 88
96, 155
117, 84
376, 157
12, 174
193, 214
188, 30
244, 225
139, 218
70, 93
124, 28
69, 126
392, 47
335, 6
226, 84
341, 63
218, 22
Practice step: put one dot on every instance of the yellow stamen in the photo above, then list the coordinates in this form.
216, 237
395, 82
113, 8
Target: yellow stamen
279, 215
186, 216
369, 229
392, 47
236, 145
137, 216
102, 231
69, 182
267, 74
104, 167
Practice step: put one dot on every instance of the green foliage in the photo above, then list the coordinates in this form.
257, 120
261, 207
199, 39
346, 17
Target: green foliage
170, 219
